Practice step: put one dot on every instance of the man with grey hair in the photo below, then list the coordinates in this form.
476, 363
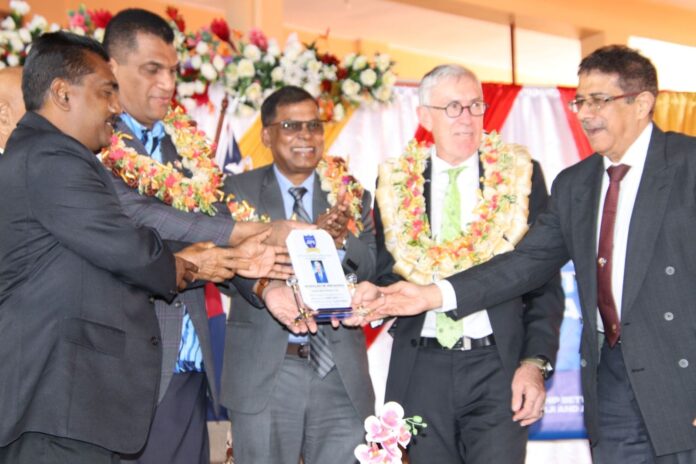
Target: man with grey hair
457, 374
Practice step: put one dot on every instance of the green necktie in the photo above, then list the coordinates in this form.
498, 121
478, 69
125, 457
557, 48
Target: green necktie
449, 330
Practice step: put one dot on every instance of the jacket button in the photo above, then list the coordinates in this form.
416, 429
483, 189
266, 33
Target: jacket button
414, 342
669, 270
683, 363
178, 304
154, 340
669, 316
583, 363
151, 300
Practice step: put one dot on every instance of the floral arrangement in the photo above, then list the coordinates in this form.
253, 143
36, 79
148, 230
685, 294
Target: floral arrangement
203, 55
261, 67
501, 212
168, 182
249, 68
89, 22
333, 176
387, 435
16, 33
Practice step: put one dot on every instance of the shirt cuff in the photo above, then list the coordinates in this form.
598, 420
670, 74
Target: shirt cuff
449, 298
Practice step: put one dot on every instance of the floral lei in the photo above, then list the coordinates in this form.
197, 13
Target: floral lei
333, 173
167, 182
501, 212
202, 190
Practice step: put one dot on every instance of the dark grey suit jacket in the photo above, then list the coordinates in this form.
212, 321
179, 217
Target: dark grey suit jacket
256, 343
526, 326
658, 315
80, 351
173, 224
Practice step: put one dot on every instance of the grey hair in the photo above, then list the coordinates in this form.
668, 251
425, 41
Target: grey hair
438, 73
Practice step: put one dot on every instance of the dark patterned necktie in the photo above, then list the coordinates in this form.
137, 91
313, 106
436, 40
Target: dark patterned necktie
320, 356
145, 138
605, 296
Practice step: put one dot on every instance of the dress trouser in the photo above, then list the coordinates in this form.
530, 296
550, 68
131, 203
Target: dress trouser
623, 437
464, 397
306, 416
179, 431
39, 448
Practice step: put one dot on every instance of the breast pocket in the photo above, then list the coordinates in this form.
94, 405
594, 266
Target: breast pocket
94, 336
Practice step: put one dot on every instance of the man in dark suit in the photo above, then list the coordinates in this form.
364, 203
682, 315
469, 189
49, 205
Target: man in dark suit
290, 393
483, 384
145, 63
630, 240
79, 343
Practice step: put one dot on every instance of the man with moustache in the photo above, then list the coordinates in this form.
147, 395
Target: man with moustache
143, 58
11, 103
625, 216
290, 393
79, 342
475, 380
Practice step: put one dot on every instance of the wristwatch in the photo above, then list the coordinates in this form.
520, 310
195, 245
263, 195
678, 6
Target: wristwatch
542, 363
261, 286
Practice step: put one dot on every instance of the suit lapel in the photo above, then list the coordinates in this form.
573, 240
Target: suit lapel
133, 141
646, 219
168, 151
427, 176
271, 200
584, 214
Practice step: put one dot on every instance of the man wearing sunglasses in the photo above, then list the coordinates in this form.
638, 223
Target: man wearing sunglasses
294, 389
625, 216
478, 388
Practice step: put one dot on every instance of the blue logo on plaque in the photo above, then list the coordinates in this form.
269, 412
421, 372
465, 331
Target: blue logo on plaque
310, 241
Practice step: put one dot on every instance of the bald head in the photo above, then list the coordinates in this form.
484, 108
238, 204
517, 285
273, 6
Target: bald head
11, 102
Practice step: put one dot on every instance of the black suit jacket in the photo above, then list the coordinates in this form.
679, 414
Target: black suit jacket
79, 343
523, 326
658, 316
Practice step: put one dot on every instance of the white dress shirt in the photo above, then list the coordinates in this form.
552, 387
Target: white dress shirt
476, 325
634, 157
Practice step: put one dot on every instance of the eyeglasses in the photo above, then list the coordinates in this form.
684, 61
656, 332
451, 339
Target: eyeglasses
596, 102
455, 109
315, 126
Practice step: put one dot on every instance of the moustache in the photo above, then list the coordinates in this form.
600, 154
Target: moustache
586, 125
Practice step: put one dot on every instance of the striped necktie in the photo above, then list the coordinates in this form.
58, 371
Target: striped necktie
320, 356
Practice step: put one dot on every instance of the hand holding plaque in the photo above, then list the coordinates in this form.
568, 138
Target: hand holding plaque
322, 285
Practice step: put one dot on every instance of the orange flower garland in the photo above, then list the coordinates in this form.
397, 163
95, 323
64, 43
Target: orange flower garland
202, 190
167, 182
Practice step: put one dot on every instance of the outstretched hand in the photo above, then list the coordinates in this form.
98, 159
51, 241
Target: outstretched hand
403, 299
257, 259
212, 263
185, 272
281, 229
280, 302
